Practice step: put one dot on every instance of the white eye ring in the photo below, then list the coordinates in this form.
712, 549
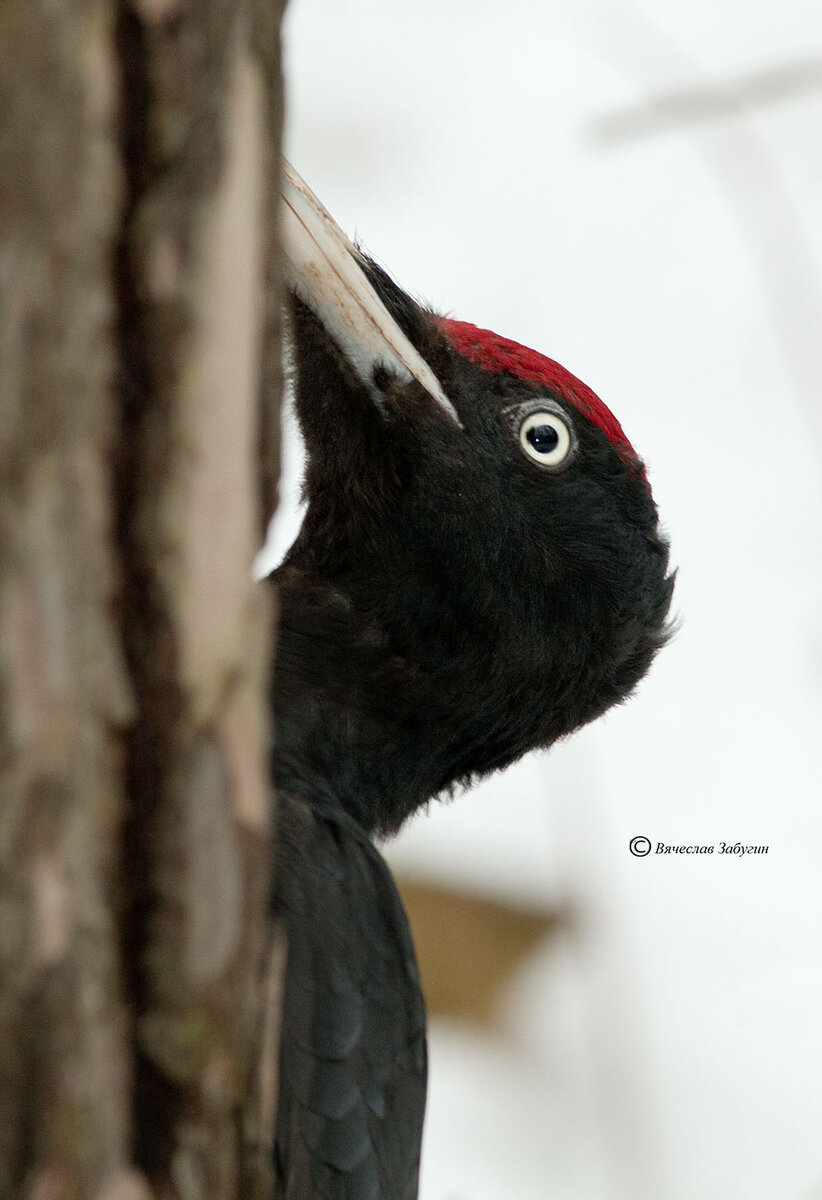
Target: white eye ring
551, 445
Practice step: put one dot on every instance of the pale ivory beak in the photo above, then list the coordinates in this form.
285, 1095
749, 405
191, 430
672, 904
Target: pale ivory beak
323, 268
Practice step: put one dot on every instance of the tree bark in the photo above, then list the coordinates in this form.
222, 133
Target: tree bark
139, 382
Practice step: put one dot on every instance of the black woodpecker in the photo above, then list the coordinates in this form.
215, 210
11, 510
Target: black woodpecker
480, 571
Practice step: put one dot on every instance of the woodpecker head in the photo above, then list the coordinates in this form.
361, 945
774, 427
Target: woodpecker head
477, 520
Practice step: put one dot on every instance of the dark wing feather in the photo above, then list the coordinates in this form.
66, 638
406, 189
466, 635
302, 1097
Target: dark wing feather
353, 1058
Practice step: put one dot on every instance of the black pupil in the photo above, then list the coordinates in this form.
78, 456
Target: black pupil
543, 438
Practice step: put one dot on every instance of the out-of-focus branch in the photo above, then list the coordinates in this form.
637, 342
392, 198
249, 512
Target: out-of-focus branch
743, 163
709, 102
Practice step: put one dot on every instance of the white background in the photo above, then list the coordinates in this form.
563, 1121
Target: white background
671, 1046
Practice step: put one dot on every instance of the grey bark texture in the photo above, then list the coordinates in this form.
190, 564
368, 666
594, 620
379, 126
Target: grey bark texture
139, 385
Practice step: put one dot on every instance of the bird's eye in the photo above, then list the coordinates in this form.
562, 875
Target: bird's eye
546, 438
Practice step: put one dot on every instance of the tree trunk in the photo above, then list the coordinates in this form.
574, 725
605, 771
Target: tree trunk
139, 384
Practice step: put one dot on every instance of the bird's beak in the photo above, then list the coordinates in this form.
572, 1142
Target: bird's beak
323, 268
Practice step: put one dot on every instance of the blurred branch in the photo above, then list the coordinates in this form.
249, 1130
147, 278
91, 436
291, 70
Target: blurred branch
742, 162
708, 102
470, 947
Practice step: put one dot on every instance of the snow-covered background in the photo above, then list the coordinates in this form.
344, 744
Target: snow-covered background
505, 161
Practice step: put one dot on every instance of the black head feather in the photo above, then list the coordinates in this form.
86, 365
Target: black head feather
449, 603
